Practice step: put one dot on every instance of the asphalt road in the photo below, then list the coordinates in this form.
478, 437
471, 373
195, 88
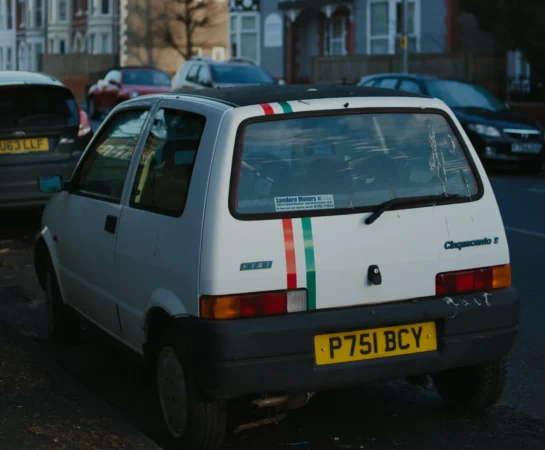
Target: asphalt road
379, 416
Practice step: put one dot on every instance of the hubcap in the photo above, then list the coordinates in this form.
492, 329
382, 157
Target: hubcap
171, 388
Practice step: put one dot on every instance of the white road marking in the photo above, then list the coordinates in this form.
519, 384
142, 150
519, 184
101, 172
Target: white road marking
527, 232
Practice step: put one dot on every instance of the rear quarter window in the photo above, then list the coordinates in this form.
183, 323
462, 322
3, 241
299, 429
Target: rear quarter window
347, 163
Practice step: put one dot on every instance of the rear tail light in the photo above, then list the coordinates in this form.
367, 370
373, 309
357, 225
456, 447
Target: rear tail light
84, 123
253, 305
485, 279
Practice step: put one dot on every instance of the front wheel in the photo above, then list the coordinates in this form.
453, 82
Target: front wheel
193, 422
63, 324
472, 389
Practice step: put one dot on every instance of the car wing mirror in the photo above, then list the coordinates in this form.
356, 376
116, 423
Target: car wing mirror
51, 184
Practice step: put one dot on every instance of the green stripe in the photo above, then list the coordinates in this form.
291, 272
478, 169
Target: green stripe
286, 107
309, 259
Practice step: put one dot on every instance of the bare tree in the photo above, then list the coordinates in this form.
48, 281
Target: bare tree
192, 15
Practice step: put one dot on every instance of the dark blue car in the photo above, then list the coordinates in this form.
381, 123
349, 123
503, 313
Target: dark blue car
497, 133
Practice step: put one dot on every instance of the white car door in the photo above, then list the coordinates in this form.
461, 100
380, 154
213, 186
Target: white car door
90, 212
158, 241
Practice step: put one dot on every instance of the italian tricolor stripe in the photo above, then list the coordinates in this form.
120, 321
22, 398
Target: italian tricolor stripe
291, 266
310, 263
269, 109
291, 270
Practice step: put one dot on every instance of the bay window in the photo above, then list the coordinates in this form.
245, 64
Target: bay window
244, 35
385, 26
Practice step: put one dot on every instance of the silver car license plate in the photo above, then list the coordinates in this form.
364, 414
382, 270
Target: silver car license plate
526, 147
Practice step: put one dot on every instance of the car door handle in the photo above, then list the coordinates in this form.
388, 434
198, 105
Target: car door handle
111, 224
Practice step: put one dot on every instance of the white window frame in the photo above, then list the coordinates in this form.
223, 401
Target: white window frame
238, 31
36, 10
59, 11
3, 23
342, 40
23, 8
10, 61
221, 51
99, 8
30, 13
392, 35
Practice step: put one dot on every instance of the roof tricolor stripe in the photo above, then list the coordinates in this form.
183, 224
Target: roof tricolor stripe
276, 108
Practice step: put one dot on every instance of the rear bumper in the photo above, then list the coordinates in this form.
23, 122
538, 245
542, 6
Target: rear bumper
19, 183
274, 354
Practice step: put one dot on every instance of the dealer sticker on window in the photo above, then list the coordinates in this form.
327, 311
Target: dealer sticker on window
304, 202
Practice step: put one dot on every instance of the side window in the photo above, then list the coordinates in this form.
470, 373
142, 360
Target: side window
193, 73
104, 167
165, 168
410, 86
116, 76
204, 76
389, 83
372, 82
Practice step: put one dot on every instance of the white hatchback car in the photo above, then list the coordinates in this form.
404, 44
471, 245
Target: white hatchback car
278, 241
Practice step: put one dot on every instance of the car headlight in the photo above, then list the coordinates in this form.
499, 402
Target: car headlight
134, 94
484, 130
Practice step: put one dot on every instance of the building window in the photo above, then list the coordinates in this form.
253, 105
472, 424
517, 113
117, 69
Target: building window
385, 26
38, 14
51, 46
244, 35
29, 13
104, 41
79, 7
337, 36
9, 59
2, 23
9, 14
63, 10
91, 43
38, 51
62, 46
105, 6
218, 54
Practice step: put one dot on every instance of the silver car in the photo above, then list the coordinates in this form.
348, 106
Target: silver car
40, 133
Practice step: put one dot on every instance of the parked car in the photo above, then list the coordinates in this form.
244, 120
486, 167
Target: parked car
122, 84
202, 72
229, 237
497, 133
41, 132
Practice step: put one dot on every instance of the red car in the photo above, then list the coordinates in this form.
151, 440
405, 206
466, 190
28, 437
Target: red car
122, 84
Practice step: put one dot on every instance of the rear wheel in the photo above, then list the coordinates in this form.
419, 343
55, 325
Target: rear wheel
63, 323
472, 389
193, 422
92, 108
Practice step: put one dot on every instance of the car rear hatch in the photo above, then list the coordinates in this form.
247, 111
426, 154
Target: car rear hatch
39, 123
302, 192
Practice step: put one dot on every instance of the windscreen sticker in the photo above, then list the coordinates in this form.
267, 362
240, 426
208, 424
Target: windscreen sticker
304, 202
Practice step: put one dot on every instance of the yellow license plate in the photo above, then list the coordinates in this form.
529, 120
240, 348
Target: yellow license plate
375, 343
24, 145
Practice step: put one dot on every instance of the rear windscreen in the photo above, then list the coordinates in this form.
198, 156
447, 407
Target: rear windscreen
23, 107
348, 161
240, 75
146, 78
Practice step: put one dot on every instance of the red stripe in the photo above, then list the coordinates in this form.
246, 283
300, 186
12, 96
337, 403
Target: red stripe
289, 247
267, 108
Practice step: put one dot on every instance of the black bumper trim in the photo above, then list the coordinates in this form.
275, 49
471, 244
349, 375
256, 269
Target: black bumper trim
238, 357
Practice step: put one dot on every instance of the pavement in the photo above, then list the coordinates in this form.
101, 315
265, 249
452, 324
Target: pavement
111, 392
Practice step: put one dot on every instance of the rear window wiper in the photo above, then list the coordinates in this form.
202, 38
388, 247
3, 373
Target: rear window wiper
382, 208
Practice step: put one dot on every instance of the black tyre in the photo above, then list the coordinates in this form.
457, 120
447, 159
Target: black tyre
92, 109
63, 323
193, 422
472, 389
